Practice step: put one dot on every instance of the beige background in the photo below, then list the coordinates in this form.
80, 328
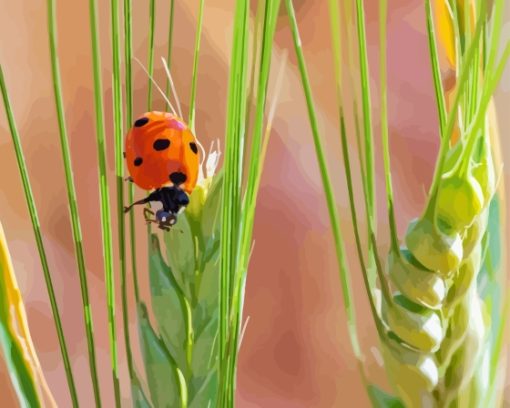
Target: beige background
296, 351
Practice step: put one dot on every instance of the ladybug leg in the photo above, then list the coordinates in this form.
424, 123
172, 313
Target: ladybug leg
130, 179
142, 201
147, 214
149, 220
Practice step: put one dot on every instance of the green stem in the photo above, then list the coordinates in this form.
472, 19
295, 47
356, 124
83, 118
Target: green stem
150, 65
367, 117
383, 12
254, 61
436, 70
119, 172
128, 52
106, 228
169, 51
231, 197
192, 98
72, 202
354, 84
32, 209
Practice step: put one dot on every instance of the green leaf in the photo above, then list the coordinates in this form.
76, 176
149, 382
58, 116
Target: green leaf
138, 396
207, 301
206, 394
180, 249
167, 386
203, 361
381, 399
171, 307
211, 215
207, 296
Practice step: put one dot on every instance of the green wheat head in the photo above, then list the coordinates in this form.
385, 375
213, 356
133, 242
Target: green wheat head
437, 293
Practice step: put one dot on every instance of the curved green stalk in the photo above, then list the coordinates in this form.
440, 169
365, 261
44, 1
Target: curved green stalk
334, 13
337, 52
328, 190
71, 198
106, 228
348, 17
191, 120
34, 217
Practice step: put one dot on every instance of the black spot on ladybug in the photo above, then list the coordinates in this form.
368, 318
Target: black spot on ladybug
193, 147
142, 121
124, 154
161, 144
138, 161
177, 177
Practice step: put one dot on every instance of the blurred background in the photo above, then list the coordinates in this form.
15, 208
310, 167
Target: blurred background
296, 351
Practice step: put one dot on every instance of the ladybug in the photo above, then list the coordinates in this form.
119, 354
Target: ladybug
162, 155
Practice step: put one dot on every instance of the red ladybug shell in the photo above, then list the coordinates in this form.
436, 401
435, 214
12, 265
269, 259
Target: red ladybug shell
158, 145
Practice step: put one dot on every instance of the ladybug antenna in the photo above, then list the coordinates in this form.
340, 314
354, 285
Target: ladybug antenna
169, 76
174, 91
157, 86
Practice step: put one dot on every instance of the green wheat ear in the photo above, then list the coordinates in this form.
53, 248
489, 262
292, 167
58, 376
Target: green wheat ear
184, 293
438, 316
